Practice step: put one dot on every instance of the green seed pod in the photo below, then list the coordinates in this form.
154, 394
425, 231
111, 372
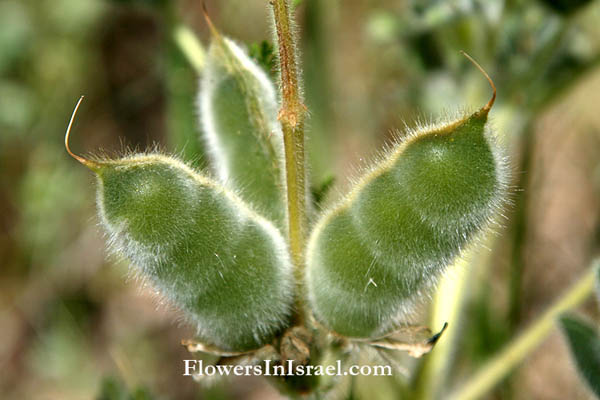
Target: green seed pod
224, 266
348, 294
238, 110
403, 223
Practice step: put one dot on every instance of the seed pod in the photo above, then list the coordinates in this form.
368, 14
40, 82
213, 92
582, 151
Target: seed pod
223, 265
201, 247
403, 223
238, 110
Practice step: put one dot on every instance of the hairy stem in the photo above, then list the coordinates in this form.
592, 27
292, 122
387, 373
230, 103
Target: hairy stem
499, 366
291, 116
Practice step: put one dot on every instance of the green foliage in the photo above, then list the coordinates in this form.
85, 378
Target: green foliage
150, 3
264, 55
318, 193
404, 221
200, 246
238, 109
566, 6
584, 344
113, 389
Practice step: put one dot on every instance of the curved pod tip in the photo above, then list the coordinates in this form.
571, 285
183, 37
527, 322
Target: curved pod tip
94, 166
485, 109
211, 26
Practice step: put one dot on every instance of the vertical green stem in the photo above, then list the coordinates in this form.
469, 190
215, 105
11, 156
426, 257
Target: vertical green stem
519, 235
497, 368
291, 116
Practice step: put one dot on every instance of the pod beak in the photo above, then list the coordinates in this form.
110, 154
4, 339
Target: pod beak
94, 166
485, 109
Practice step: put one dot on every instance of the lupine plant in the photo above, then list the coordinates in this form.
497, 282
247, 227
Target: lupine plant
245, 258
250, 261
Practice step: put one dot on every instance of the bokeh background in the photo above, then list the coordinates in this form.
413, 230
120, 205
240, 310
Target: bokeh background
73, 326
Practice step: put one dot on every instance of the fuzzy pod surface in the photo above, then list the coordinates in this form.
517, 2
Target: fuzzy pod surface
223, 265
402, 224
238, 111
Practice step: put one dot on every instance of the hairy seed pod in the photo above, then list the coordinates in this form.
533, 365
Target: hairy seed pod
238, 110
224, 266
403, 223
208, 253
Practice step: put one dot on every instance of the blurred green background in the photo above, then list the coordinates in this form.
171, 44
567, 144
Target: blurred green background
75, 326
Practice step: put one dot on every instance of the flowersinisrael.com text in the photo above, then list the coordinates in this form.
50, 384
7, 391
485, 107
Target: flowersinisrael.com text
268, 368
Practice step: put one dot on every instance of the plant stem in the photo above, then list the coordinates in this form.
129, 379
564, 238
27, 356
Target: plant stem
190, 47
449, 300
291, 116
498, 367
520, 226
